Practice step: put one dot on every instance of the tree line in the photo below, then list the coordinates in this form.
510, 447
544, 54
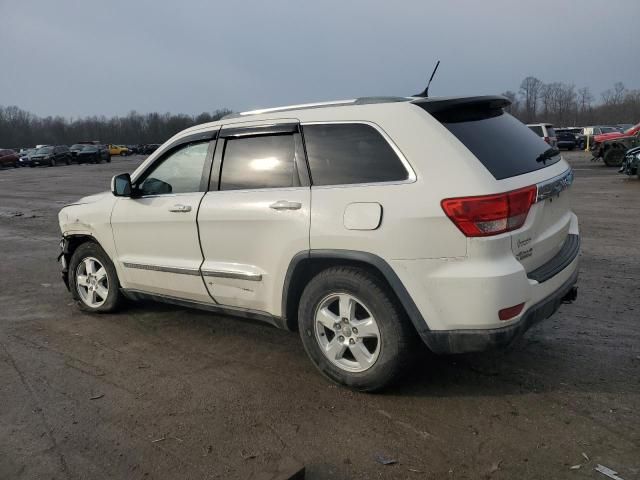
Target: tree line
19, 128
558, 103
564, 105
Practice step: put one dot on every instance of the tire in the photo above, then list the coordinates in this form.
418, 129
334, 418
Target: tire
613, 157
123, 154
104, 275
380, 359
52, 162
109, 159
68, 161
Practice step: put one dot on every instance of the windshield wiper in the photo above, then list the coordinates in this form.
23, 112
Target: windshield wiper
547, 154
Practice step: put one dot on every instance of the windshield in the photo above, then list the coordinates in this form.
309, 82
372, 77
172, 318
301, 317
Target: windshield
77, 146
90, 148
45, 150
608, 130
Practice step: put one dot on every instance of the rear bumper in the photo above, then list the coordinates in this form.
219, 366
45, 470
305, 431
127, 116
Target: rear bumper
464, 341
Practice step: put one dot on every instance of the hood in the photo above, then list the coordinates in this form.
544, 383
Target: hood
608, 136
91, 198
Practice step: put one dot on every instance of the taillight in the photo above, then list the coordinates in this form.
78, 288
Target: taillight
486, 215
548, 140
509, 313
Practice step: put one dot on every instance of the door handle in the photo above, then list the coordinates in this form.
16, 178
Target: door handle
286, 205
180, 208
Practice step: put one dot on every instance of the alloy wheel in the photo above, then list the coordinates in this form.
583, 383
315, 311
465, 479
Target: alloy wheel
347, 332
92, 282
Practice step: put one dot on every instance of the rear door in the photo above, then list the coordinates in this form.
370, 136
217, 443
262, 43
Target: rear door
255, 217
155, 232
516, 157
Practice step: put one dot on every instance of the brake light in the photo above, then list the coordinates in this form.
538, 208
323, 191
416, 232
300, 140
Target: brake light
548, 140
487, 215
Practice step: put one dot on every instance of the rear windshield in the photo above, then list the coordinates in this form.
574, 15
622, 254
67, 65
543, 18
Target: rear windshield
504, 145
537, 130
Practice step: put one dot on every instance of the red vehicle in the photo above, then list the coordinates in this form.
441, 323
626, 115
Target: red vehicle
8, 158
609, 136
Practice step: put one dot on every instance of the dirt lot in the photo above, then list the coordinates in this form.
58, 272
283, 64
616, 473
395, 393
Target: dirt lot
167, 393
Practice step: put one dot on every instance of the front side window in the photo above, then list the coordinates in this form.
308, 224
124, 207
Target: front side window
350, 153
179, 172
266, 161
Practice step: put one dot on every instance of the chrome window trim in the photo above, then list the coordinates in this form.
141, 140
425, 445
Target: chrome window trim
554, 186
160, 268
250, 276
411, 174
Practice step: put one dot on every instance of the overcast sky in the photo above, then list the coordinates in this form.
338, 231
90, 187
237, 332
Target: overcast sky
111, 56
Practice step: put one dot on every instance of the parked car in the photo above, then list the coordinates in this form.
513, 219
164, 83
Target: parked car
118, 150
631, 164
624, 126
397, 245
51, 156
9, 158
566, 139
93, 154
149, 148
25, 157
545, 131
616, 134
75, 148
612, 151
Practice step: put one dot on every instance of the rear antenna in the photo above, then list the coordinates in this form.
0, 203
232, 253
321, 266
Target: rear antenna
425, 93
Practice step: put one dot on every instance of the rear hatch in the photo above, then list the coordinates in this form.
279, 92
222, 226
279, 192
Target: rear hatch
517, 158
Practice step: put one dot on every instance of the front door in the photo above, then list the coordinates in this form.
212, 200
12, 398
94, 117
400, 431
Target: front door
155, 231
255, 217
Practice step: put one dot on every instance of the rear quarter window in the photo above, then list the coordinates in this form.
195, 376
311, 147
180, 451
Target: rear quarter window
350, 153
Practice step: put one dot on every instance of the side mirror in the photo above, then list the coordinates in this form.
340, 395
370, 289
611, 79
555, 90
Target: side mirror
121, 185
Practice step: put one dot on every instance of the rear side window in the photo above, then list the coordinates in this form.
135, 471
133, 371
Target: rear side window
266, 161
504, 145
537, 130
348, 153
551, 132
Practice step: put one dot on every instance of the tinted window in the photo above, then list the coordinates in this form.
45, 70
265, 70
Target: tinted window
179, 172
537, 130
550, 132
259, 162
504, 145
341, 154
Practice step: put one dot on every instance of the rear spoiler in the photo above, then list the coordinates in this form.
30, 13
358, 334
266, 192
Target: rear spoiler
463, 108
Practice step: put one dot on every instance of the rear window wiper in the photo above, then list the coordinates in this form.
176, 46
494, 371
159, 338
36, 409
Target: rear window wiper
547, 154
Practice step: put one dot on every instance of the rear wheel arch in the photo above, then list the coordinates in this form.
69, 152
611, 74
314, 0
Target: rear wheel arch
307, 264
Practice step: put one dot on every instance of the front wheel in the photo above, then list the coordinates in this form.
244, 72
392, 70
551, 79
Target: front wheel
52, 162
93, 279
353, 330
613, 157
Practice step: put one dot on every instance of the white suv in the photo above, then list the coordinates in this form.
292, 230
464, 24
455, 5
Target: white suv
364, 224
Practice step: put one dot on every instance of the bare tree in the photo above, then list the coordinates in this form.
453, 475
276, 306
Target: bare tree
584, 99
530, 91
514, 108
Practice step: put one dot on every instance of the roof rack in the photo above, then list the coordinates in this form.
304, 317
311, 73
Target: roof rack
335, 103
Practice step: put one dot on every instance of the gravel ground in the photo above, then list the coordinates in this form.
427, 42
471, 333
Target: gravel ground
165, 392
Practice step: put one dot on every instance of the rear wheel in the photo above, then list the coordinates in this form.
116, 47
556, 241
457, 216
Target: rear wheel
352, 329
68, 160
93, 279
52, 162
